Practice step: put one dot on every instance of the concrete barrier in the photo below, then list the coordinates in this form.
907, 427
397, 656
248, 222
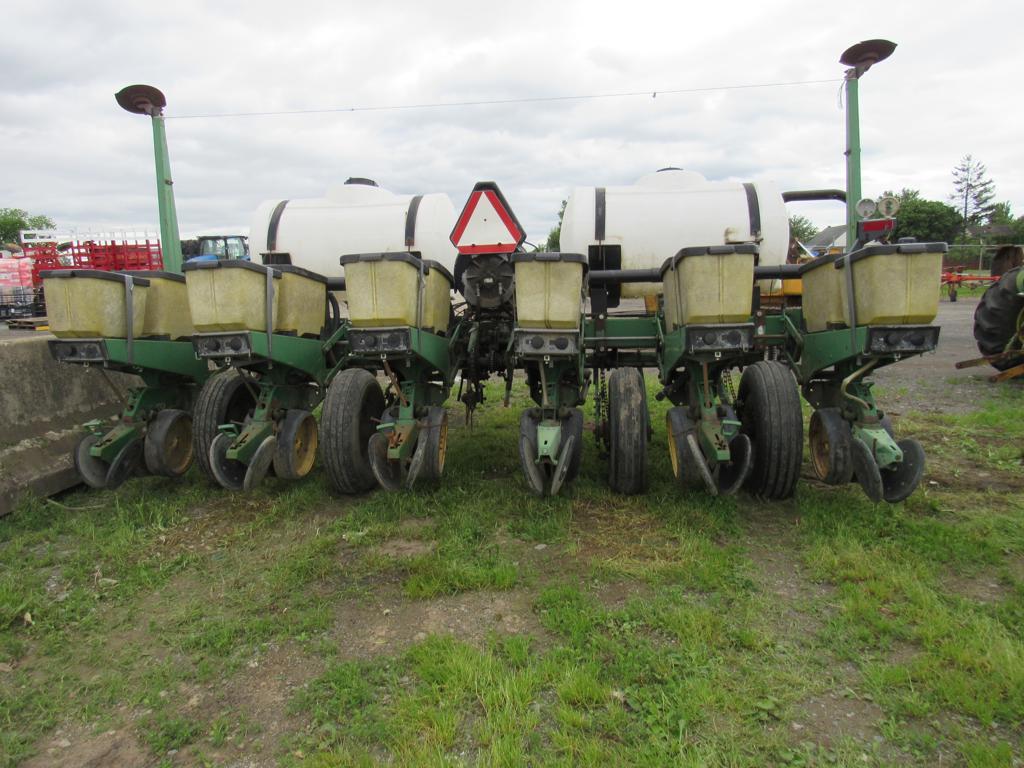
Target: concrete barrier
42, 405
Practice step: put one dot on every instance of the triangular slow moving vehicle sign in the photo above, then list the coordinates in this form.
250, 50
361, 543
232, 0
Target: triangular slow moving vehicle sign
487, 224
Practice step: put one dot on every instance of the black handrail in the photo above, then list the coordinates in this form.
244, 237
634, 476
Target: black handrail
803, 195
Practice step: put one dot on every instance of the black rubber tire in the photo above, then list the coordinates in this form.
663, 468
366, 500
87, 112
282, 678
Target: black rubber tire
572, 425
866, 470
297, 443
348, 420
434, 439
831, 457
771, 416
260, 463
995, 319
227, 473
731, 476
124, 464
902, 480
224, 398
681, 457
169, 449
93, 471
536, 478
386, 473
627, 431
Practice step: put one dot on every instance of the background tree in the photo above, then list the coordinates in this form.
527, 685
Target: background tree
1001, 214
13, 220
802, 228
928, 220
1016, 234
972, 193
903, 195
555, 235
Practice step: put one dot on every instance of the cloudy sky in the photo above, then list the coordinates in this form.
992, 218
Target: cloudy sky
68, 151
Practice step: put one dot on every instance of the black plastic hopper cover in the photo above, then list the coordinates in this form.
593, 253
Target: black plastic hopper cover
141, 99
867, 52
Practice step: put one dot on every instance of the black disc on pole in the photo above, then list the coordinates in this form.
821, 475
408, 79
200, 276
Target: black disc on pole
141, 99
867, 52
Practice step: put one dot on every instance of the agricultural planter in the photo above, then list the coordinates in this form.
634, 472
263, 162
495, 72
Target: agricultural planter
135, 323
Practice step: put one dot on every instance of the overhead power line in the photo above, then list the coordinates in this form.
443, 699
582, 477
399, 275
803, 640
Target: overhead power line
492, 102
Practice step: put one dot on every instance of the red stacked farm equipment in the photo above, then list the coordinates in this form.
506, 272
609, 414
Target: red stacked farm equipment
16, 289
21, 287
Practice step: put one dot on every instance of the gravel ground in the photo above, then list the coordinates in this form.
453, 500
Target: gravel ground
931, 383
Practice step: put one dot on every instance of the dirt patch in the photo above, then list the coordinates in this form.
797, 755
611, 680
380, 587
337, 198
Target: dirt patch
902, 653
405, 548
255, 702
413, 526
781, 574
1015, 565
830, 717
983, 587
78, 748
604, 532
779, 571
954, 466
618, 594
391, 623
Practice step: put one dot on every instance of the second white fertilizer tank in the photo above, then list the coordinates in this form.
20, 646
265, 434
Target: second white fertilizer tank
355, 217
642, 225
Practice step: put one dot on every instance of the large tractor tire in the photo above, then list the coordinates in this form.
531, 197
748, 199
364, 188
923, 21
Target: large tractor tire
351, 410
998, 317
769, 410
226, 397
627, 431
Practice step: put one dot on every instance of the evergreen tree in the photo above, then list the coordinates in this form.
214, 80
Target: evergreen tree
802, 228
555, 234
1001, 214
972, 193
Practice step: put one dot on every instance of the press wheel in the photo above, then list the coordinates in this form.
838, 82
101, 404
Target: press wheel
572, 425
260, 462
431, 447
866, 470
560, 472
729, 476
900, 479
536, 477
93, 471
124, 464
229, 473
387, 471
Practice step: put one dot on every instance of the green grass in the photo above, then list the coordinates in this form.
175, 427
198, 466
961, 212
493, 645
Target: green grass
652, 630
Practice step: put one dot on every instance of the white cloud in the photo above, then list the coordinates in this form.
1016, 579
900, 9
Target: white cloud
68, 151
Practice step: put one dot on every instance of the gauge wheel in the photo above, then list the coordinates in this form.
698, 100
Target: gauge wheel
829, 439
297, 442
168, 446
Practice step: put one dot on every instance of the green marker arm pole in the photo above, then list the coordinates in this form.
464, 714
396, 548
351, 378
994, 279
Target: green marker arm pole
170, 240
853, 188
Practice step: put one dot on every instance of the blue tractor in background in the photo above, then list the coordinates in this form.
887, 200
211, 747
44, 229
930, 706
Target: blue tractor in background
216, 248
